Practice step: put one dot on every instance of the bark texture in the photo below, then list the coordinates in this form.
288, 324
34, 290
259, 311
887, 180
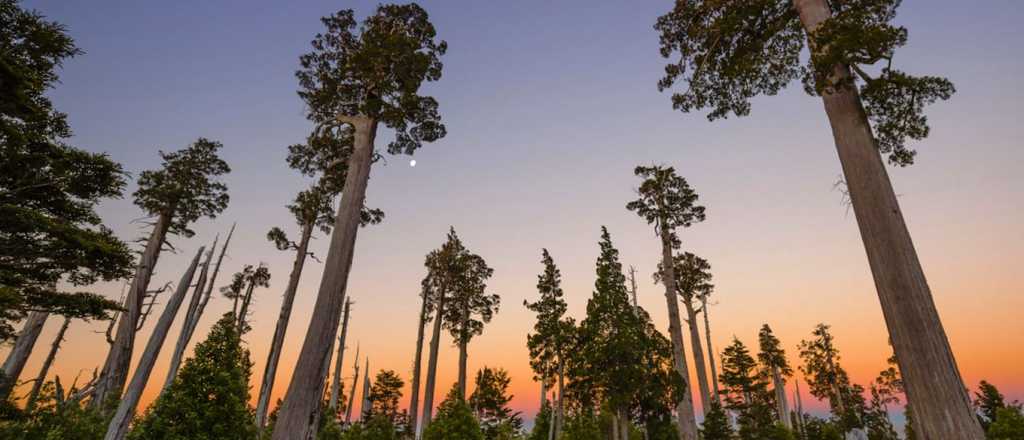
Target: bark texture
684, 409
934, 387
37, 385
780, 398
698, 356
463, 353
18, 357
365, 407
190, 315
435, 342
352, 393
414, 400
118, 427
711, 351
277, 343
300, 402
336, 383
115, 368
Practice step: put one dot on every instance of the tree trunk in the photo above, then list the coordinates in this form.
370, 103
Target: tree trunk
942, 408
561, 406
277, 343
698, 356
365, 407
435, 342
41, 378
615, 426
684, 409
623, 424
211, 284
115, 368
352, 394
711, 351
300, 400
336, 384
414, 401
18, 356
118, 427
780, 397
463, 354
551, 411
246, 300
190, 315
799, 406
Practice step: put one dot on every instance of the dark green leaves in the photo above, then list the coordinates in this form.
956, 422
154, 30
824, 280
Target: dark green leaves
894, 103
666, 200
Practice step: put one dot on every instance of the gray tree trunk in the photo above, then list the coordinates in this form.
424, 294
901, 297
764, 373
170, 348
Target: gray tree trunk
190, 315
551, 411
18, 357
118, 427
463, 352
352, 394
365, 407
300, 401
37, 385
711, 351
244, 312
684, 408
698, 356
934, 387
414, 400
277, 343
435, 342
115, 368
336, 384
799, 406
211, 284
780, 397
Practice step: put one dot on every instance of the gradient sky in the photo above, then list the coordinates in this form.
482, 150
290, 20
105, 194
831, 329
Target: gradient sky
549, 106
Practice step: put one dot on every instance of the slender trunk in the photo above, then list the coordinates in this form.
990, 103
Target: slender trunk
314, 422
115, 368
190, 315
799, 406
551, 411
18, 356
698, 356
41, 378
118, 427
933, 384
684, 408
711, 351
615, 426
414, 401
352, 394
245, 308
463, 352
210, 285
300, 401
277, 343
365, 407
780, 397
561, 406
435, 342
623, 424
336, 384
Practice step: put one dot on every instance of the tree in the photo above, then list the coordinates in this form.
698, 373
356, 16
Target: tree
336, 391
884, 391
469, 305
660, 386
240, 291
426, 309
667, 201
552, 339
490, 400
745, 391
183, 190
828, 380
542, 428
454, 420
776, 368
730, 52
1009, 424
190, 315
57, 414
716, 424
384, 395
209, 398
353, 82
988, 400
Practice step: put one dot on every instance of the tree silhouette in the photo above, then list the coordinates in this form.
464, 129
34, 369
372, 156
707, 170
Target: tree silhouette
489, 402
828, 380
776, 368
469, 305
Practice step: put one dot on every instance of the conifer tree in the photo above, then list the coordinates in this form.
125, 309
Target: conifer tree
209, 398
667, 202
693, 282
184, 189
731, 52
552, 339
241, 289
191, 315
988, 401
542, 423
716, 424
469, 306
354, 81
454, 420
775, 367
490, 400
827, 379
426, 313
745, 391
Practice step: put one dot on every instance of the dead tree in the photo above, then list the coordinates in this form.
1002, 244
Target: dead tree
336, 384
37, 385
18, 356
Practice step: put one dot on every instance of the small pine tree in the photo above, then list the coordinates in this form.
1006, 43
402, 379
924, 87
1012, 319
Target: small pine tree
209, 398
1009, 424
716, 424
541, 423
455, 421
988, 401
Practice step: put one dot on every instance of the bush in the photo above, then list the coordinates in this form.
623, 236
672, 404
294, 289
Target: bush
454, 421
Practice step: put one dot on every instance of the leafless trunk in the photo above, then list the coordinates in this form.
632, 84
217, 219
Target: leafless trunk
711, 351
211, 284
780, 397
435, 342
684, 409
118, 427
18, 357
246, 300
336, 384
352, 394
115, 368
799, 406
551, 412
365, 407
934, 387
37, 385
414, 401
698, 356
277, 343
190, 315
300, 400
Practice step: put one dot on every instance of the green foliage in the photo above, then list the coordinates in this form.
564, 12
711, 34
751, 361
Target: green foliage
716, 424
582, 426
1008, 425
542, 423
385, 394
376, 72
49, 228
185, 188
820, 429
730, 52
552, 333
56, 416
454, 421
745, 391
988, 401
771, 353
666, 200
693, 276
209, 397
469, 306
377, 428
489, 402
828, 380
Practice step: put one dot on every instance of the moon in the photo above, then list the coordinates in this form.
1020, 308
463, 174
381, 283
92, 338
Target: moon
412, 163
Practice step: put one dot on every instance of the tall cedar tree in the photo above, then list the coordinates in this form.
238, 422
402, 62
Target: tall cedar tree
455, 420
240, 291
184, 189
469, 306
746, 392
49, 228
441, 264
775, 368
384, 396
489, 402
828, 380
209, 399
667, 202
354, 80
552, 336
731, 52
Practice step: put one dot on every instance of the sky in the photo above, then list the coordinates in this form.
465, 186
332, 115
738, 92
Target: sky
549, 106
